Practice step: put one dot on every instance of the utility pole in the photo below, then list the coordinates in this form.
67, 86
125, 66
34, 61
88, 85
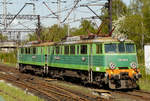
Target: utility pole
7, 19
110, 15
5, 12
59, 11
39, 28
34, 9
68, 33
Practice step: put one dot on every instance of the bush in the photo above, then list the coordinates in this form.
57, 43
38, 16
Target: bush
145, 80
140, 55
9, 57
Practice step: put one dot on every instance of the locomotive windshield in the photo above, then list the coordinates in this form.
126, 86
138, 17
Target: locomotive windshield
130, 48
119, 48
111, 48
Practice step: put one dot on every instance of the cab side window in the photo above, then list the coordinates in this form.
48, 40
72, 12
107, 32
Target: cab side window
41, 50
66, 49
26, 50
22, 50
83, 49
34, 50
98, 48
29, 51
72, 49
57, 49
61, 49
77, 49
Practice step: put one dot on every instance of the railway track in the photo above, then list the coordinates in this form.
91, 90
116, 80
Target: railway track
25, 86
42, 88
138, 95
141, 94
52, 92
129, 95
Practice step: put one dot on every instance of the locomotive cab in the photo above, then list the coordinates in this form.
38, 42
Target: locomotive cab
121, 65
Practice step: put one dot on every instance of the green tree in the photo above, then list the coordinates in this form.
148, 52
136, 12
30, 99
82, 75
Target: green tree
85, 28
119, 9
3, 38
133, 28
57, 33
136, 24
53, 33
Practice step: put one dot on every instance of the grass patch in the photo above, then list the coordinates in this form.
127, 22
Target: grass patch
8, 64
10, 93
9, 57
144, 82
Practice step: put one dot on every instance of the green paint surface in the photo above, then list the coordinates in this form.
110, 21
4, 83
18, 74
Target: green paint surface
1, 98
123, 60
98, 62
32, 59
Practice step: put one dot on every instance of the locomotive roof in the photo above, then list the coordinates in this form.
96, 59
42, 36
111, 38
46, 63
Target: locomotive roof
95, 40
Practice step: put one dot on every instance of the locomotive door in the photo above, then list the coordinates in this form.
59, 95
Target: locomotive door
90, 62
46, 60
46, 56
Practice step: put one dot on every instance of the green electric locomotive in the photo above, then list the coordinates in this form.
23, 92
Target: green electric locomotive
97, 60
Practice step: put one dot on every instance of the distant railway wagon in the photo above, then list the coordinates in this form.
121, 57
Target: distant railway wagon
97, 60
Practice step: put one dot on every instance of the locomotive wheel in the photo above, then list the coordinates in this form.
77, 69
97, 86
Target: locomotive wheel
21, 68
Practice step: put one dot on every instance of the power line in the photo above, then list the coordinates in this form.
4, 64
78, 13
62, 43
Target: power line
76, 20
50, 10
71, 10
20, 11
64, 10
90, 10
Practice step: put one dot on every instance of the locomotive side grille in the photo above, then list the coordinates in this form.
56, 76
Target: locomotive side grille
123, 67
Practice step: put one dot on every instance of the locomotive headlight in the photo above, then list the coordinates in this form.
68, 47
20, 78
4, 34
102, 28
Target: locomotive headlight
112, 65
133, 65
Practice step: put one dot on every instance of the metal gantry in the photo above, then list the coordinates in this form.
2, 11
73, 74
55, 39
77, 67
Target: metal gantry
25, 17
9, 18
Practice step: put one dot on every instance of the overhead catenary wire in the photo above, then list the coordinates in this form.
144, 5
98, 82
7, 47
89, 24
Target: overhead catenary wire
66, 9
19, 12
24, 25
60, 11
50, 10
91, 10
71, 10
80, 19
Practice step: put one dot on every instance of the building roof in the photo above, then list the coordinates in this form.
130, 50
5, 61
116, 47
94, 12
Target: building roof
8, 44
